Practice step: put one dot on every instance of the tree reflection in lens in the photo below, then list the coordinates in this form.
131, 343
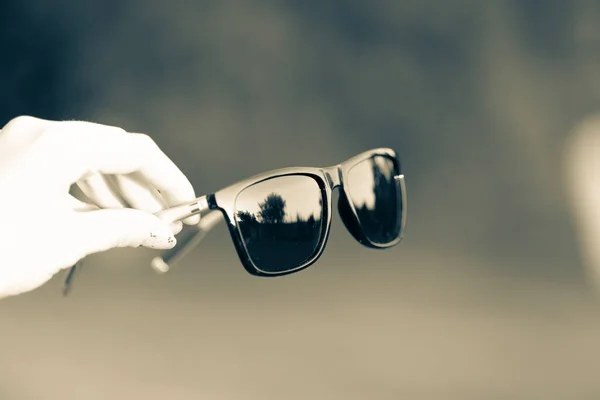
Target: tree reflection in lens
376, 198
280, 221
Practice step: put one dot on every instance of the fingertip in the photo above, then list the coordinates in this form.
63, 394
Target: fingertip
193, 220
160, 241
161, 235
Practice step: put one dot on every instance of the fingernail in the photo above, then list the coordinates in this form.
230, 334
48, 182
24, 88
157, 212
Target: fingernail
156, 241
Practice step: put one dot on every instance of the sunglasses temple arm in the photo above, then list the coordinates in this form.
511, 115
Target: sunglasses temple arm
188, 240
184, 211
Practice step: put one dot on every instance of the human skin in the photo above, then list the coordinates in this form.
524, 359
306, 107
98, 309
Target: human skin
124, 176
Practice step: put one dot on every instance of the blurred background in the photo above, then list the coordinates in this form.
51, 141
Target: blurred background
487, 296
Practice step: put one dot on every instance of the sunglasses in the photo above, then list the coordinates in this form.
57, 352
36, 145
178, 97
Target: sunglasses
279, 221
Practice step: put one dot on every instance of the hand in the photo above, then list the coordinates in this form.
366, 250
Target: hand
44, 228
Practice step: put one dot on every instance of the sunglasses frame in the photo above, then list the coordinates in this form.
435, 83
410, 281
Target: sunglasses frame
328, 179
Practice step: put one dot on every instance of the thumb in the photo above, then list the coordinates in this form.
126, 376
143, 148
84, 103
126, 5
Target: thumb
105, 229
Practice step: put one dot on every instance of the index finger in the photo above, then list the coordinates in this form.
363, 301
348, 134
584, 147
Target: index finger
71, 150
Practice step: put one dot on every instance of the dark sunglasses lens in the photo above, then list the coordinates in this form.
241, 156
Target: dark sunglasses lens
280, 221
377, 199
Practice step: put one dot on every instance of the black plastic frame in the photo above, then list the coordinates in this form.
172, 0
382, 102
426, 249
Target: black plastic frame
328, 179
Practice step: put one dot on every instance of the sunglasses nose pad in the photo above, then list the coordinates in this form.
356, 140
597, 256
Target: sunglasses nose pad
350, 221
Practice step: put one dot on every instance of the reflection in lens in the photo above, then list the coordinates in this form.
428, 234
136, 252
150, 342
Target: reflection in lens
280, 221
376, 198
